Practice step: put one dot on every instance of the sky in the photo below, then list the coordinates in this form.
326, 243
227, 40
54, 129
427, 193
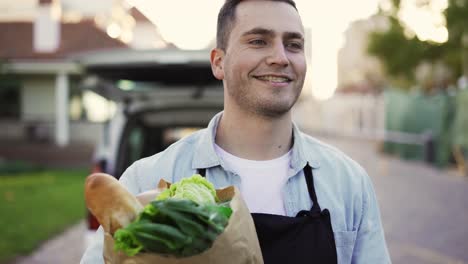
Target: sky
192, 25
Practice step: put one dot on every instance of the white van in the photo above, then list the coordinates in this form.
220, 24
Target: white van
161, 96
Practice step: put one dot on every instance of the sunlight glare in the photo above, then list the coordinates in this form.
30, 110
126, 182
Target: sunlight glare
182, 22
114, 30
328, 23
428, 22
99, 109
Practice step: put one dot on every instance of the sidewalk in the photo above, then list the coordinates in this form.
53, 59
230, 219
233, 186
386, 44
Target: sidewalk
67, 247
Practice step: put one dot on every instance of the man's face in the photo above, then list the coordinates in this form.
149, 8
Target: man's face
263, 67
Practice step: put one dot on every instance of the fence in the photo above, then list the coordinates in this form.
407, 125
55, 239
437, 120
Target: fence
44, 131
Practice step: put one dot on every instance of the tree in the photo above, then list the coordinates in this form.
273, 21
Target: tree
401, 53
456, 48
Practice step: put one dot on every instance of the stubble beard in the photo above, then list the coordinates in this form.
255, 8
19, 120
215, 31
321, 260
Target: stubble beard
254, 104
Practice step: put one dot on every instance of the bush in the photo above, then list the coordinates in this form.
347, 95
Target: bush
17, 167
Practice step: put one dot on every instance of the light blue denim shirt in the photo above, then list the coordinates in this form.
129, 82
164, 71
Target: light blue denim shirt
342, 186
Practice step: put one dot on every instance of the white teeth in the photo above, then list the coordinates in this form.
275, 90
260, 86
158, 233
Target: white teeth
273, 78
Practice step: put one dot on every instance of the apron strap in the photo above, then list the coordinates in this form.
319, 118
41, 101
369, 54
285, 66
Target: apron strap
309, 176
310, 186
202, 172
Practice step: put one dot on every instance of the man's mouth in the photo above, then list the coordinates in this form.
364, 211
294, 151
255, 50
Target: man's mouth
274, 79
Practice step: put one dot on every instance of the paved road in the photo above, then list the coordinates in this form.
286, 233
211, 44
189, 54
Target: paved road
424, 212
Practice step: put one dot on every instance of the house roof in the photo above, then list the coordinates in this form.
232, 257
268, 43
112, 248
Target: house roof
138, 16
17, 40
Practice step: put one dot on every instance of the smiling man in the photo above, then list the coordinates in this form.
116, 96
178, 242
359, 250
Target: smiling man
260, 59
262, 65
262, 62
310, 203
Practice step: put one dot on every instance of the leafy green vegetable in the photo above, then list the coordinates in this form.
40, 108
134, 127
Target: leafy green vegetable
195, 188
126, 241
178, 222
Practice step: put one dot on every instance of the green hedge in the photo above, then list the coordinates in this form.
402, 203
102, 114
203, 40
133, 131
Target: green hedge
444, 115
11, 167
460, 126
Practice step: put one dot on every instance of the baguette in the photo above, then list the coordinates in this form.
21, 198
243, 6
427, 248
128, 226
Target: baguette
109, 201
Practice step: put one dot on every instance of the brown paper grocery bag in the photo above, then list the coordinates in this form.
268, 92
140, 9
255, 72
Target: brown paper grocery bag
238, 244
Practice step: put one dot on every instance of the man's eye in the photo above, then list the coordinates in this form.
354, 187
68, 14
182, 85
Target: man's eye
295, 46
257, 42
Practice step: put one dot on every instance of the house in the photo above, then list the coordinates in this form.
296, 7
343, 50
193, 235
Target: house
39, 40
357, 70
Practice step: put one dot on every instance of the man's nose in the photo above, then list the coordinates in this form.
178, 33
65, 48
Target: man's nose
278, 55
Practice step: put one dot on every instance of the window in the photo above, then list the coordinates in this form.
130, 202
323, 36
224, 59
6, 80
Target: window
9, 98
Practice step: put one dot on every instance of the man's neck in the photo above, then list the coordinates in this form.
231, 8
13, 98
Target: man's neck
254, 137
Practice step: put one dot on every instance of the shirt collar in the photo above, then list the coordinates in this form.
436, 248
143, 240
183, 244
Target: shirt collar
300, 154
205, 155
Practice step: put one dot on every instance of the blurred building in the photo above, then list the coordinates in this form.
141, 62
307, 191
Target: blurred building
358, 71
357, 108
39, 43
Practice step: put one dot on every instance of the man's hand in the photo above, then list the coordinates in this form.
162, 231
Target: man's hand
148, 196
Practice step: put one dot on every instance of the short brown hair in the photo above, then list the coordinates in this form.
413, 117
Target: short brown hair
227, 17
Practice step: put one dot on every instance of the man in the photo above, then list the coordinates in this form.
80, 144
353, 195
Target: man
310, 203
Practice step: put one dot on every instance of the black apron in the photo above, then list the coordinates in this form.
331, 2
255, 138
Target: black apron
306, 238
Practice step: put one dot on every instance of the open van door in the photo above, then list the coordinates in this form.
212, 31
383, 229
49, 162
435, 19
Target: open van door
126, 74
161, 95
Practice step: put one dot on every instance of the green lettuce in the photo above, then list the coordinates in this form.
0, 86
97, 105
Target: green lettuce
184, 220
195, 188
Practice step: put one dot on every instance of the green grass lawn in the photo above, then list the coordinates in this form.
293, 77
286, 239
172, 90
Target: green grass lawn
35, 206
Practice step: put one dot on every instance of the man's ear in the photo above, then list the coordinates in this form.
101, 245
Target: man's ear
217, 59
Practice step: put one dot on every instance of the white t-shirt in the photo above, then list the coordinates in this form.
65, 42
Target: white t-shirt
262, 182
